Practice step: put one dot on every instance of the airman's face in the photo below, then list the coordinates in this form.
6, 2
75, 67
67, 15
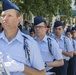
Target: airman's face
58, 30
32, 34
69, 35
74, 33
40, 29
10, 19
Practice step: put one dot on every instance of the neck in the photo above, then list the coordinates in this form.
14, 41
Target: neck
70, 38
40, 38
58, 36
10, 34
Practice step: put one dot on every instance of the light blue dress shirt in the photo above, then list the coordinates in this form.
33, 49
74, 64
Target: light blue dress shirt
73, 41
26, 31
64, 44
14, 53
46, 55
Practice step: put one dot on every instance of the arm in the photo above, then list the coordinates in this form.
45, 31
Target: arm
15, 66
70, 54
32, 71
74, 53
55, 63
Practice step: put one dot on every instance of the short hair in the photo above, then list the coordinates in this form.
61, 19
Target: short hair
18, 13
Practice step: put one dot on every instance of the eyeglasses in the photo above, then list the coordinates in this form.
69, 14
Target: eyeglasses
40, 27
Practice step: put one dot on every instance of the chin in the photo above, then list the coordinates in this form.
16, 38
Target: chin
58, 34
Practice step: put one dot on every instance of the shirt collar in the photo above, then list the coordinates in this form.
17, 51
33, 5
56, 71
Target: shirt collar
18, 37
61, 38
43, 40
2, 36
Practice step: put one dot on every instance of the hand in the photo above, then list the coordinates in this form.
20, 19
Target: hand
74, 52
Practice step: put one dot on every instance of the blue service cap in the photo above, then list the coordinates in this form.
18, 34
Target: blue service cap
38, 20
69, 30
58, 23
73, 28
48, 26
32, 30
69, 27
7, 4
26, 22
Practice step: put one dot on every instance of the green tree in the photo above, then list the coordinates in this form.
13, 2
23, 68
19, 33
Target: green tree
0, 4
75, 3
45, 7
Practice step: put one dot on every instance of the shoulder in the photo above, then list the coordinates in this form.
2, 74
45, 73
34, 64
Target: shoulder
74, 40
66, 38
53, 36
52, 40
28, 38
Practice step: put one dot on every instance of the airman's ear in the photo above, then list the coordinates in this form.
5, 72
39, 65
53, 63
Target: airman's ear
19, 19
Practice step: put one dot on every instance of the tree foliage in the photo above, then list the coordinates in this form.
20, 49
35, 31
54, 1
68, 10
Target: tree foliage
0, 5
45, 7
75, 3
